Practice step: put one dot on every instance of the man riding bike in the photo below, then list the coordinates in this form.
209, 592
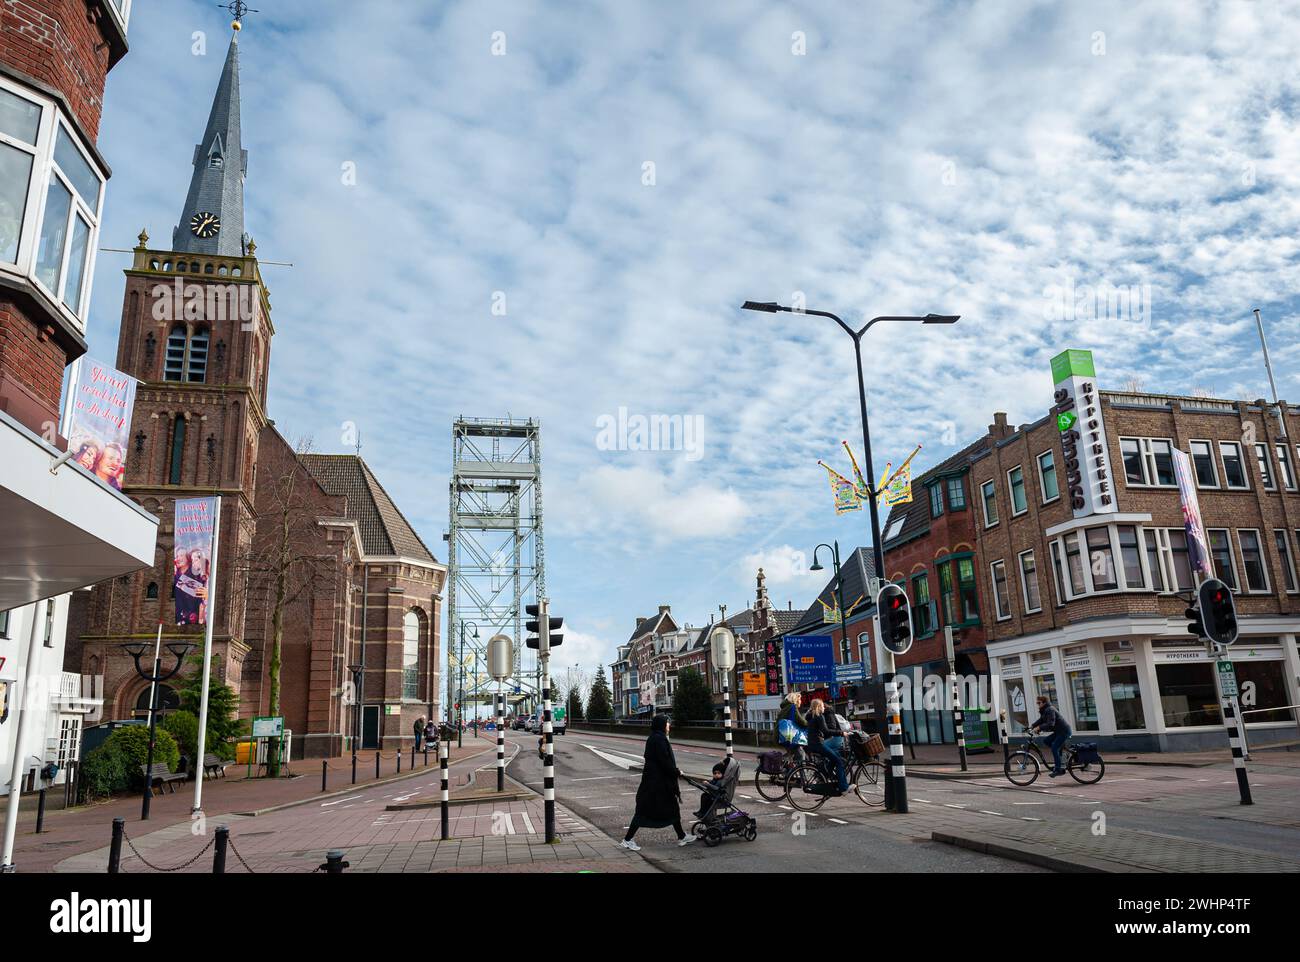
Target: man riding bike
1052, 722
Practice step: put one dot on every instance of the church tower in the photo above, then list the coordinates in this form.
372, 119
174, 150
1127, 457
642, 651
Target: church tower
196, 333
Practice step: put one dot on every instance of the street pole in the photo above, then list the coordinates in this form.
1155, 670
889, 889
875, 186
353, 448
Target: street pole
153, 730
501, 739
958, 715
460, 693
548, 749
16, 768
1268, 366
443, 749
210, 618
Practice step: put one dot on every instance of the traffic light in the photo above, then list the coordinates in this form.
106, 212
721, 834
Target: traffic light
1195, 624
1218, 611
553, 625
895, 619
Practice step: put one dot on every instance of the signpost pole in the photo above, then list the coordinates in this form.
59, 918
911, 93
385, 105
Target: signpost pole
957, 714
1227, 677
548, 757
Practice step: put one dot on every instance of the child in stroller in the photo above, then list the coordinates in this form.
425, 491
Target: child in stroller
718, 816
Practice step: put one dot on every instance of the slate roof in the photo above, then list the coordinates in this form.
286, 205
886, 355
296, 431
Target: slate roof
646, 625
918, 511
785, 619
857, 568
384, 529
218, 189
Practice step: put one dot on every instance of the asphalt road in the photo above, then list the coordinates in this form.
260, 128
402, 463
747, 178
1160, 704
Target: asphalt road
594, 779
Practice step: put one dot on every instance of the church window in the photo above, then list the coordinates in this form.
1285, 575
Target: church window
151, 592
178, 450
410, 655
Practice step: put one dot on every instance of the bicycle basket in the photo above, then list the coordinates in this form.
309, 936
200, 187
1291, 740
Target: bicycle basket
771, 763
1086, 753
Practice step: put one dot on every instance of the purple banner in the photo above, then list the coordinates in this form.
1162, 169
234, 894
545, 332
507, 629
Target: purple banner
192, 558
1198, 554
100, 420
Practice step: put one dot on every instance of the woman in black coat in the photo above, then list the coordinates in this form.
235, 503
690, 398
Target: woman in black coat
659, 795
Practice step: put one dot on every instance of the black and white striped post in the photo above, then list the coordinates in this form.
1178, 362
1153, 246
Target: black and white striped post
1232, 720
501, 654
548, 753
958, 716
443, 747
722, 641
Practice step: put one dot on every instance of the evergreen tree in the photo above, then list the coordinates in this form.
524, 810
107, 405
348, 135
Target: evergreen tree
574, 704
224, 725
600, 702
692, 701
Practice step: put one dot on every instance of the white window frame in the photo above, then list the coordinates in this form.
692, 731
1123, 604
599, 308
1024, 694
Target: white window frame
44, 168
1263, 563
997, 597
984, 502
1285, 468
1232, 557
1147, 459
1060, 573
1288, 562
122, 15
1042, 489
1266, 481
1024, 583
1011, 491
1241, 458
1214, 465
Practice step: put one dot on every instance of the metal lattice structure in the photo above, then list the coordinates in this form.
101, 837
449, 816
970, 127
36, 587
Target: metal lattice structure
496, 556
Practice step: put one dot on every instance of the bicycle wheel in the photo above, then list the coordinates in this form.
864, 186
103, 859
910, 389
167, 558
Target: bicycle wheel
1086, 773
869, 783
1021, 768
806, 788
771, 787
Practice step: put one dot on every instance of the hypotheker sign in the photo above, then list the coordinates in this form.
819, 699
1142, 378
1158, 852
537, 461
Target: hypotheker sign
1077, 410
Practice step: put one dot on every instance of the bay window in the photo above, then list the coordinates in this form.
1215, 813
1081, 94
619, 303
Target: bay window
970, 607
1101, 559
1131, 556
1074, 561
1158, 581
921, 604
51, 195
956, 494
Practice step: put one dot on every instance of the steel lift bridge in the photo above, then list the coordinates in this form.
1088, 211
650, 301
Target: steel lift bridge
495, 555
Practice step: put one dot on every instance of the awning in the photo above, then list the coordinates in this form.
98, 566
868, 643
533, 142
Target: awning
63, 531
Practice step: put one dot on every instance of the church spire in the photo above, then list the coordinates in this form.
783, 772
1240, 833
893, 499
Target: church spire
212, 221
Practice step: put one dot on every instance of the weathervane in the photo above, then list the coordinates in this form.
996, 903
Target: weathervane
237, 10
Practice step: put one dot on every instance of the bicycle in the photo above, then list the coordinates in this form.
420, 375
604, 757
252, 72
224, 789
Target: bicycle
811, 782
1082, 761
771, 785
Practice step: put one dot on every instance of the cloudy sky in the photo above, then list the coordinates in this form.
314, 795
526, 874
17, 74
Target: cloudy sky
557, 210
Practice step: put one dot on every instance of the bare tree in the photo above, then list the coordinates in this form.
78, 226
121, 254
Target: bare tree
279, 565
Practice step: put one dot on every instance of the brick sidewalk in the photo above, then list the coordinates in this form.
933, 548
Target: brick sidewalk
86, 828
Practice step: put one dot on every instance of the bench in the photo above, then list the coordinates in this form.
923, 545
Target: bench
214, 765
161, 776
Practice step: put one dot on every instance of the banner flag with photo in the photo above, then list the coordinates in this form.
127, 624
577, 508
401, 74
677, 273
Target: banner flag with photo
1198, 553
192, 558
100, 402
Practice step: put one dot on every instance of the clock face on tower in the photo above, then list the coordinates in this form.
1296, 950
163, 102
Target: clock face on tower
204, 224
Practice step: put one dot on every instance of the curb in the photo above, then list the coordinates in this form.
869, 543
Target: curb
354, 788
1030, 855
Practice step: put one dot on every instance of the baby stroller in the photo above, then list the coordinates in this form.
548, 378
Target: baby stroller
720, 817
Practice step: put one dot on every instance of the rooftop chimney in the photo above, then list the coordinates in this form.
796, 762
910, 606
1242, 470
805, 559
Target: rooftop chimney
664, 609
1000, 428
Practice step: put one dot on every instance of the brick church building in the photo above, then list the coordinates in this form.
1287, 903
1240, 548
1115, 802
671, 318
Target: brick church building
358, 586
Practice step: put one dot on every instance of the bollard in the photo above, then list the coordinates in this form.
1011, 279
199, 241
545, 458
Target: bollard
354, 768
398, 753
115, 847
334, 864
219, 850
412, 758
40, 813
324, 771
426, 754
376, 764
442, 763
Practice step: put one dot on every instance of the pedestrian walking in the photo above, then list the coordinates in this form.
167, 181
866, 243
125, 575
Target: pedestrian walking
658, 796
419, 733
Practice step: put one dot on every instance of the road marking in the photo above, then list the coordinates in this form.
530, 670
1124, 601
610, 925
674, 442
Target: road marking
926, 800
599, 808
1028, 803
985, 811
579, 797
837, 821
614, 759
762, 801
951, 805
592, 778
528, 823
1026, 818
339, 802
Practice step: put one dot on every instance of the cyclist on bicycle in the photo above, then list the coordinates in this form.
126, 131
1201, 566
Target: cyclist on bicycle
1052, 721
818, 732
789, 711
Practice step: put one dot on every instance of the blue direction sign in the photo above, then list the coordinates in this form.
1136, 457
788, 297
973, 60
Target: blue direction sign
809, 659
850, 671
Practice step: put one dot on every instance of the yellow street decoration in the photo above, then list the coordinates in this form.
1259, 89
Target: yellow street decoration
849, 495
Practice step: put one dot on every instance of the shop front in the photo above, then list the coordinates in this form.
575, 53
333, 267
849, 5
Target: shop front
1138, 686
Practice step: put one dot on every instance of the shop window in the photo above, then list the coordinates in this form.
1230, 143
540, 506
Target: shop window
1188, 696
1083, 700
1266, 684
1207, 476
1126, 698
1017, 704
1234, 466
1252, 560
988, 491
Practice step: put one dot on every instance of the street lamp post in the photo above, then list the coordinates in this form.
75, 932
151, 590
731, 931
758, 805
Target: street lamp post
155, 678
356, 715
460, 701
895, 800
834, 549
